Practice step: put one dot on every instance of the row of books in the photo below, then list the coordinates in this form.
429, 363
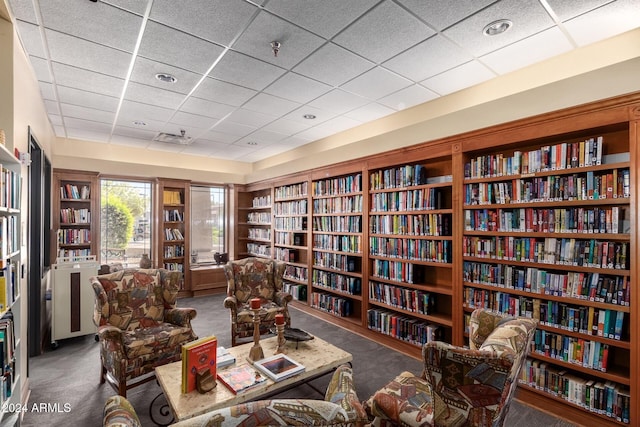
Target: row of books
435, 224
296, 223
9, 233
72, 191
259, 218
336, 261
172, 197
408, 299
548, 220
398, 177
404, 328
174, 266
596, 287
411, 249
343, 204
289, 238
593, 321
173, 234
588, 354
286, 254
337, 186
75, 216
259, 233
397, 271
297, 291
7, 355
294, 207
422, 199
295, 272
74, 236
261, 201
602, 397
173, 251
334, 242
293, 190
73, 253
346, 224
173, 215
9, 286
258, 249
571, 252
565, 155
338, 282
337, 306
589, 186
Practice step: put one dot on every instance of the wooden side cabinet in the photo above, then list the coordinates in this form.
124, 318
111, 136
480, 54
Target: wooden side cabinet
208, 280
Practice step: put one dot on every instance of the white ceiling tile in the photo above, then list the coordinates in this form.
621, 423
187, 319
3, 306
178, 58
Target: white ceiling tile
31, 41
376, 83
145, 112
78, 78
195, 120
608, 21
287, 127
314, 133
79, 124
369, 112
88, 55
60, 131
383, 32
206, 108
427, 59
262, 137
320, 115
326, 17
132, 119
83, 98
528, 51
273, 104
245, 71
406, 98
223, 92
296, 43
441, 14
52, 107
134, 6
200, 147
145, 71
218, 21
527, 17
41, 69
297, 88
231, 128
464, 76
295, 141
565, 10
88, 134
338, 124
55, 119
219, 137
23, 10
339, 102
250, 118
153, 96
232, 152
139, 134
173, 47
78, 112
46, 90
333, 65
116, 28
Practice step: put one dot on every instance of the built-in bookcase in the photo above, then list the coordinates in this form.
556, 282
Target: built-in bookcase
547, 235
337, 243
411, 251
290, 229
255, 223
174, 224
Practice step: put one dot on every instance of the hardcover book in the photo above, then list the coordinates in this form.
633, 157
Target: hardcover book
224, 358
279, 367
197, 356
240, 378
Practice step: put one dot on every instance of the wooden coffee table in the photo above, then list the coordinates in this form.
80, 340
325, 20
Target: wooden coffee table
318, 357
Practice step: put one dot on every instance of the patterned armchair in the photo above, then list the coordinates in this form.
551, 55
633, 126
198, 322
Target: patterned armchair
340, 407
459, 386
139, 326
255, 278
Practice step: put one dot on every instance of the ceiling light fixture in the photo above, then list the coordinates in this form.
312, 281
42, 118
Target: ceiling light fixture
275, 47
497, 27
166, 78
309, 116
139, 123
252, 143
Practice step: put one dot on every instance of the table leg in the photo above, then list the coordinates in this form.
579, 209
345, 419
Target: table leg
159, 404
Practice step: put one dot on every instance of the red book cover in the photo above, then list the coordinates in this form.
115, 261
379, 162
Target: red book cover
197, 356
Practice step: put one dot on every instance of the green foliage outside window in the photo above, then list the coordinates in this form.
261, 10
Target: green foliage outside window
118, 229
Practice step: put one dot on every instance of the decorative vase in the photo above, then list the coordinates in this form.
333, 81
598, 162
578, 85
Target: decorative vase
145, 261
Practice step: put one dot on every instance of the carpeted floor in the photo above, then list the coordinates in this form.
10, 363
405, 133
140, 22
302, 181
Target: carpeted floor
66, 379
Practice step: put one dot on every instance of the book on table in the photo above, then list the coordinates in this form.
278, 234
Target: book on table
240, 378
198, 356
224, 358
279, 367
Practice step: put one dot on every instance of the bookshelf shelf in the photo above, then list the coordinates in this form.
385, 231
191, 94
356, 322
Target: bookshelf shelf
173, 218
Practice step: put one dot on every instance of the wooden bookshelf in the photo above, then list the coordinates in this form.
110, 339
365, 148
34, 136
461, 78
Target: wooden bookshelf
254, 236
75, 214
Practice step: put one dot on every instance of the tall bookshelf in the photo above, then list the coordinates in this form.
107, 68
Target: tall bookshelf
411, 251
76, 216
173, 247
291, 235
337, 246
255, 223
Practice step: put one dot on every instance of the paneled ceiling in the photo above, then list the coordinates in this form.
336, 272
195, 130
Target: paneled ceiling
341, 62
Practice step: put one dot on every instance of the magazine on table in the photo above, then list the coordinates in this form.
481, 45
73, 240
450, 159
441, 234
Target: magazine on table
240, 377
279, 367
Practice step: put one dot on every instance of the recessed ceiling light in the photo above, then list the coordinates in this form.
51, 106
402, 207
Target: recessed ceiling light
166, 78
497, 27
252, 143
139, 123
309, 116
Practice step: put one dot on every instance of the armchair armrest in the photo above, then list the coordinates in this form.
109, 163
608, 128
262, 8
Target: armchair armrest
100, 307
118, 412
342, 392
181, 316
282, 298
231, 303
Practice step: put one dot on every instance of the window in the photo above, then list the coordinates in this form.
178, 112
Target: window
208, 223
125, 221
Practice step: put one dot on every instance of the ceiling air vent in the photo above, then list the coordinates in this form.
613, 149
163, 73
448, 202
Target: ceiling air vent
171, 138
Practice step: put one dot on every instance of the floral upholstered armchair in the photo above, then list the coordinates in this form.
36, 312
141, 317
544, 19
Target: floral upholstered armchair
139, 325
460, 386
250, 278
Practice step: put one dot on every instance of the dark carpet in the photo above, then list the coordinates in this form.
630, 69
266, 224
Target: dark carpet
66, 379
